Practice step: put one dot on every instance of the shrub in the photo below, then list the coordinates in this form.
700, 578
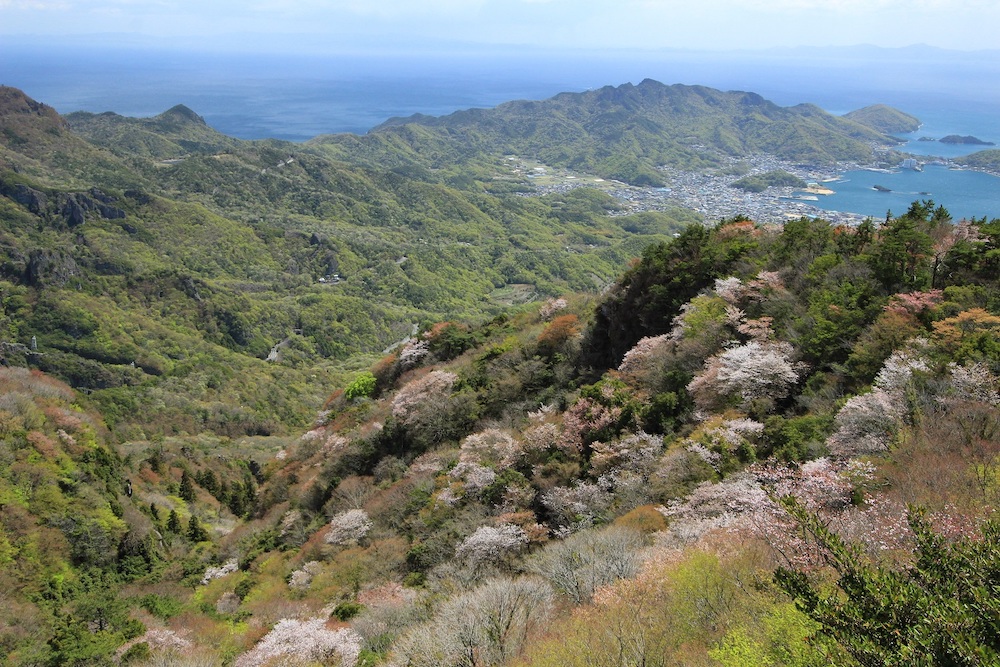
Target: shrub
363, 386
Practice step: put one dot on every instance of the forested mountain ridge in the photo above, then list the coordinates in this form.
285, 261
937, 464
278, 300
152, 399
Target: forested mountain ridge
288, 241
625, 132
230, 251
707, 463
520, 470
174, 133
885, 119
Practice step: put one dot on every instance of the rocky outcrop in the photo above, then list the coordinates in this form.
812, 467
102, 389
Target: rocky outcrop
76, 206
48, 267
31, 199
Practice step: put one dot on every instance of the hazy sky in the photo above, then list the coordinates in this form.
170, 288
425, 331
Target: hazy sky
722, 24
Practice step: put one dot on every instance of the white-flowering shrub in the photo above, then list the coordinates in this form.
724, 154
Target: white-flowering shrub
749, 371
731, 289
491, 545
542, 437
713, 459
473, 476
573, 508
636, 452
302, 578
643, 354
422, 393
228, 567
492, 446
757, 370
551, 307
896, 375
868, 423
413, 353
973, 382
292, 639
348, 527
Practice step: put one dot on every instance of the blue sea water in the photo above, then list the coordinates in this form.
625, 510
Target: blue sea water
297, 97
966, 194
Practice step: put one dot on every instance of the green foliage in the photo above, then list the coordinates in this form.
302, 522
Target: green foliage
345, 611
621, 133
940, 611
174, 523
884, 119
186, 492
362, 386
650, 295
781, 638
161, 606
795, 438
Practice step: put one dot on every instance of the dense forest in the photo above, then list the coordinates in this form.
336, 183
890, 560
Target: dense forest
758, 444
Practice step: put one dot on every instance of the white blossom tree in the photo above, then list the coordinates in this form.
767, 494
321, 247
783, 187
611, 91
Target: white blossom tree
749, 371
491, 545
349, 526
868, 423
292, 640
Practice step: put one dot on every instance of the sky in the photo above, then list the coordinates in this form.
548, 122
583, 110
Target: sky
337, 25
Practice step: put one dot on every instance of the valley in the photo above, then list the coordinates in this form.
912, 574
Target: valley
527, 386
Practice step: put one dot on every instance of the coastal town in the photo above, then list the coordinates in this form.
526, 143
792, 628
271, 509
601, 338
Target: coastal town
712, 194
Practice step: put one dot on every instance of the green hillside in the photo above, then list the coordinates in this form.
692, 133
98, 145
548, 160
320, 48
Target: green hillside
988, 159
175, 133
582, 465
884, 119
622, 132
380, 401
192, 256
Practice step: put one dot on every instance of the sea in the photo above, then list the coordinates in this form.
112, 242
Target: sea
296, 97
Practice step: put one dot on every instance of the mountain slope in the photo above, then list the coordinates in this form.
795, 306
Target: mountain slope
133, 273
173, 134
884, 119
625, 132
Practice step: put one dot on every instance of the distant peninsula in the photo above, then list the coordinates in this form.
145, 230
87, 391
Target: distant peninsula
968, 139
885, 119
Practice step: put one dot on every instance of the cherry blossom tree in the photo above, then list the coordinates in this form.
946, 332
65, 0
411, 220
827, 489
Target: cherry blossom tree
348, 526
491, 545
418, 394
747, 372
309, 640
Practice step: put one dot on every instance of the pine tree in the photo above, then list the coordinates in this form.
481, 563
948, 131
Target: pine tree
187, 488
195, 531
174, 522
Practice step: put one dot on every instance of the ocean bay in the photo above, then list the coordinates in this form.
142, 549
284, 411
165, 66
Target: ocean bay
965, 193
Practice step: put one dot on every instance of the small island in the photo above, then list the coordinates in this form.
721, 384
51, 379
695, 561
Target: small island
968, 139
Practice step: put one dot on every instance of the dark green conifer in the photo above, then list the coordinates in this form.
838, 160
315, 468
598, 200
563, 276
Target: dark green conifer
195, 531
187, 487
174, 522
